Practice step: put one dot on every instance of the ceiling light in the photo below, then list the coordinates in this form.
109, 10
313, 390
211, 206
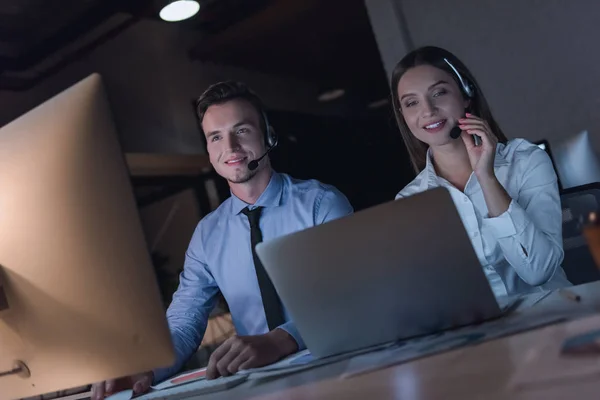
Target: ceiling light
378, 104
331, 95
178, 10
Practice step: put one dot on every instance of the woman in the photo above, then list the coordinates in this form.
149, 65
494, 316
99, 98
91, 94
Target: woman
505, 191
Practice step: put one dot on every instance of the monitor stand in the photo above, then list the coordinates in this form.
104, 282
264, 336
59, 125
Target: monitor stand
19, 367
3, 298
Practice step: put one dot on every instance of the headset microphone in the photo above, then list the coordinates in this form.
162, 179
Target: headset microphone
469, 91
455, 132
252, 165
271, 139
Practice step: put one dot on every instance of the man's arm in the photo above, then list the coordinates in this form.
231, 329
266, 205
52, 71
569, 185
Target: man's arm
192, 303
187, 317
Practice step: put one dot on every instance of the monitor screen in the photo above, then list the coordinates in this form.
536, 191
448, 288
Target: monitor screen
576, 161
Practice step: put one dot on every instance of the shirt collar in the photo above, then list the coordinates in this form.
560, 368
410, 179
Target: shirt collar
431, 176
271, 197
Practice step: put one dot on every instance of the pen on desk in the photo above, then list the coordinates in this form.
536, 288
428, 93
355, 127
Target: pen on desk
569, 295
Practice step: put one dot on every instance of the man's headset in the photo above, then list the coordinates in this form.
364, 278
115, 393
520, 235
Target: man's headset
271, 140
469, 90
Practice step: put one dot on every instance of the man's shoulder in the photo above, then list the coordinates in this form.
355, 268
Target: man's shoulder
212, 219
320, 201
299, 187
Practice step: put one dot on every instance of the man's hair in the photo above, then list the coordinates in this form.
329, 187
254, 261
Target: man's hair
223, 92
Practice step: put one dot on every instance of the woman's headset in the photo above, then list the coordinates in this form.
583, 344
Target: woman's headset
466, 86
469, 91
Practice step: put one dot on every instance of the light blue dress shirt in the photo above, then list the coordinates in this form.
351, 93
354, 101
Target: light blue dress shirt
219, 257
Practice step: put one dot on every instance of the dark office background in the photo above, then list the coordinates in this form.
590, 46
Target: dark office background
321, 67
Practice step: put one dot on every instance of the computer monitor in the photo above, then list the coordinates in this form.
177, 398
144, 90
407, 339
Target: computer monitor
81, 300
576, 161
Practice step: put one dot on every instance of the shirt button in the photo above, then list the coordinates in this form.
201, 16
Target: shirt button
465, 199
475, 234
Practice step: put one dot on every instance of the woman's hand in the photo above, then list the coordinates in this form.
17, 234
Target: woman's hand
481, 157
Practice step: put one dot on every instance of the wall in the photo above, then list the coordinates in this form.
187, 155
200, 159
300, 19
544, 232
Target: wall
536, 60
152, 84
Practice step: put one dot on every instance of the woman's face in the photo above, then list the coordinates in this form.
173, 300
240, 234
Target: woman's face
431, 103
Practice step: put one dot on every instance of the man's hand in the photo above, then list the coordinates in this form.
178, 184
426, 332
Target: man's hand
140, 383
245, 352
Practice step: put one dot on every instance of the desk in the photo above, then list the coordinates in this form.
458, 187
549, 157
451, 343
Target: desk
482, 371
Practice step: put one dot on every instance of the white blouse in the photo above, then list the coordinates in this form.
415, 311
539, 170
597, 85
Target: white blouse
532, 222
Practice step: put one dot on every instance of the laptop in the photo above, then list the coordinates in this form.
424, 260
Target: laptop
394, 271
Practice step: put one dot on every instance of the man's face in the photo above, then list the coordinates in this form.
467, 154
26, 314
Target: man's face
234, 138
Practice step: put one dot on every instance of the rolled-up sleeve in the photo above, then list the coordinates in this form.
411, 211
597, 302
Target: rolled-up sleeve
530, 230
290, 328
192, 303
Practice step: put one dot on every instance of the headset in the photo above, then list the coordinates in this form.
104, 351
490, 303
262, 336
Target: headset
271, 139
466, 86
469, 91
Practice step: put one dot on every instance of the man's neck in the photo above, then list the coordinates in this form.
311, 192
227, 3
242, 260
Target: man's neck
250, 191
451, 162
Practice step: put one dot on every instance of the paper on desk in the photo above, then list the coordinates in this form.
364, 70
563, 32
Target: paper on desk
532, 299
295, 361
545, 364
122, 395
181, 379
302, 361
447, 340
185, 390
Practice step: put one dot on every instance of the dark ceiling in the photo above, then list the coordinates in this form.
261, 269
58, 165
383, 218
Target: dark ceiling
326, 42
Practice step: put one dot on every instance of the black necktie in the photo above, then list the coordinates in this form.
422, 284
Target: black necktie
271, 302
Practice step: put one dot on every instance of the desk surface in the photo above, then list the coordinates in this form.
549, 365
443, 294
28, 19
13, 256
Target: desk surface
481, 371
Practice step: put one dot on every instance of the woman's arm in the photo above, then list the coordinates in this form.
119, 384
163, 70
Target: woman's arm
529, 231
529, 227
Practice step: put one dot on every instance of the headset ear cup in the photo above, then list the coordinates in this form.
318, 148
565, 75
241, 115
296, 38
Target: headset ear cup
467, 87
272, 138
470, 90
270, 135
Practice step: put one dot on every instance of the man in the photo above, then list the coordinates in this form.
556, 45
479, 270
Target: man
263, 205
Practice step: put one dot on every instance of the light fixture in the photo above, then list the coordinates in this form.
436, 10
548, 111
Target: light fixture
178, 10
378, 104
331, 95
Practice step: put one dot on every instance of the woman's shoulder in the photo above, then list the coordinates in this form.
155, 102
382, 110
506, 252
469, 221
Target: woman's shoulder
417, 185
528, 164
521, 151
